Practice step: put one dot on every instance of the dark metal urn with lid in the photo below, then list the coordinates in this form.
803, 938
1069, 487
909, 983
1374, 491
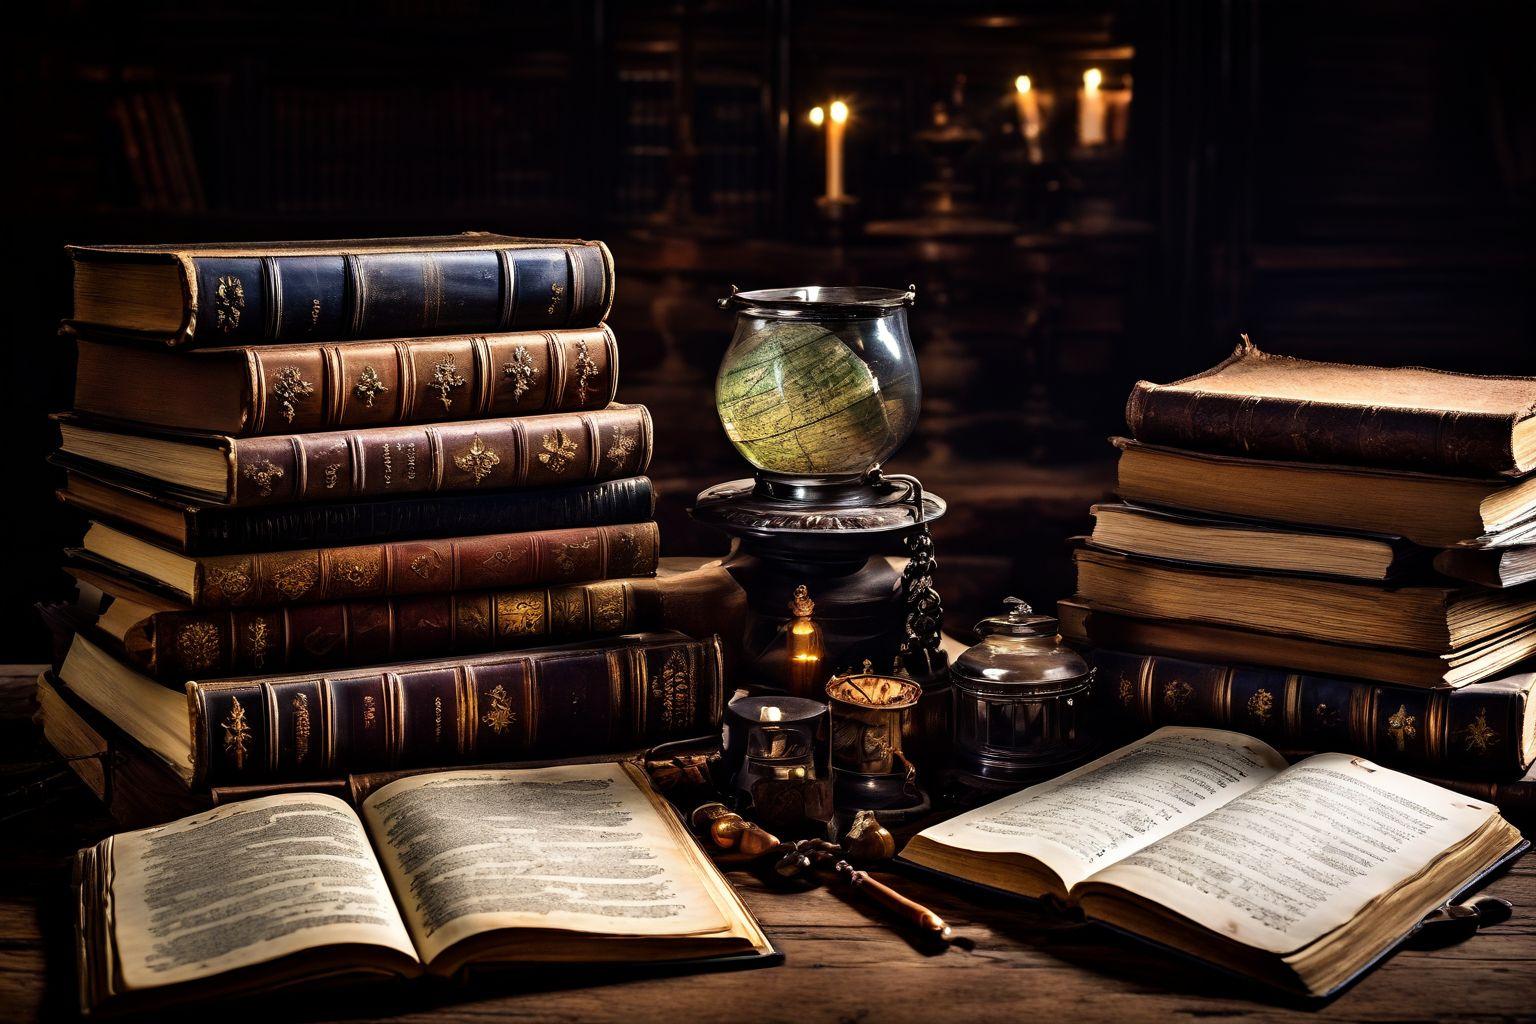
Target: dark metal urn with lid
1021, 699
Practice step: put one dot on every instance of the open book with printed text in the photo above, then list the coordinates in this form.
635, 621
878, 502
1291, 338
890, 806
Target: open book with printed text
1204, 841
571, 864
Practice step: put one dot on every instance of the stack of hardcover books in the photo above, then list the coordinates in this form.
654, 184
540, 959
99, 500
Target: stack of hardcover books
363, 506
1330, 557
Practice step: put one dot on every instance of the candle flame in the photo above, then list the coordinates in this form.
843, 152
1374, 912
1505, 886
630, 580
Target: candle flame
839, 111
770, 713
1092, 79
1023, 84
818, 116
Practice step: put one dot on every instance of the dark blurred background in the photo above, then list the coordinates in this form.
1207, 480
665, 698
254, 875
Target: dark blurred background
1345, 180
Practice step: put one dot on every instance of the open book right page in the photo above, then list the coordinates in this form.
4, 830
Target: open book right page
577, 848
1112, 807
1301, 854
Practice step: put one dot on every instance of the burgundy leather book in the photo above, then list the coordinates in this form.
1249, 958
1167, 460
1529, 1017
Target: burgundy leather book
475, 455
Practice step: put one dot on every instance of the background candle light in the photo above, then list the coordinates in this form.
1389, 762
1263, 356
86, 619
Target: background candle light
1090, 109
837, 124
1028, 103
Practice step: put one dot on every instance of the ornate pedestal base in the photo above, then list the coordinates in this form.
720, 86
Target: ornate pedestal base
832, 540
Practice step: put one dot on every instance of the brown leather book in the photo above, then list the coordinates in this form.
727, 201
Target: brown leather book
381, 570
1430, 620
584, 698
1268, 406
245, 293
478, 455
286, 389
1434, 511
173, 643
1082, 622
1486, 730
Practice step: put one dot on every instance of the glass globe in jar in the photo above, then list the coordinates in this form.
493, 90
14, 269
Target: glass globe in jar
819, 383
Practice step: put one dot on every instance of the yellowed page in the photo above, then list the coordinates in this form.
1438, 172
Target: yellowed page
574, 847
244, 884
1293, 859
1114, 806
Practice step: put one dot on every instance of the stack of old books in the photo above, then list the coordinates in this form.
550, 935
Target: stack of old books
343, 497
1330, 557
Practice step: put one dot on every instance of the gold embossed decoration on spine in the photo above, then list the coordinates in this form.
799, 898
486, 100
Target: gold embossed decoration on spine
1403, 727
1479, 735
521, 371
1261, 706
673, 689
369, 386
622, 448
263, 474
290, 387
586, 369
228, 303
300, 707
237, 734
445, 380
198, 646
229, 584
500, 715
477, 460
559, 449
258, 637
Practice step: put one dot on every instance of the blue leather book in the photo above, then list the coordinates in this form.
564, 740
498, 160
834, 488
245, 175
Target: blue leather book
251, 293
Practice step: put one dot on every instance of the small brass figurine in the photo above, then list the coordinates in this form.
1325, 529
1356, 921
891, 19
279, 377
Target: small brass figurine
868, 840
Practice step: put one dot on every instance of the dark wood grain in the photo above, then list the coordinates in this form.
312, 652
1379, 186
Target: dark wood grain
843, 963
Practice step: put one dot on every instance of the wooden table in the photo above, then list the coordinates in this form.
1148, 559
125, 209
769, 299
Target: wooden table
843, 964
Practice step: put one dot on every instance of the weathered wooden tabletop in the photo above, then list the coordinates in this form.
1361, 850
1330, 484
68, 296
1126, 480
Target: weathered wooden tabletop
842, 964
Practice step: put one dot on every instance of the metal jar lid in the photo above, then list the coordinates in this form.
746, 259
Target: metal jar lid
1020, 654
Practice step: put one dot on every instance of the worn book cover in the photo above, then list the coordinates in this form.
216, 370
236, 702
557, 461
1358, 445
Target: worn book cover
1262, 405
241, 293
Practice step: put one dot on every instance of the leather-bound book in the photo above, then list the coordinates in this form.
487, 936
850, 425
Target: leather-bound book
1427, 619
584, 698
372, 462
1486, 730
1432, 510
286, 389
242, 293
394, 568
203, 529
172, 642
1266, 406
1085, 623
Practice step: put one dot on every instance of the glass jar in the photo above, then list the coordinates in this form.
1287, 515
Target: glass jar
1021, 699
818, 383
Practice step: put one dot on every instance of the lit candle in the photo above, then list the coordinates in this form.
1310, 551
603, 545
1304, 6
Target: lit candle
1090, 109
837, 124
804, 647
1028, 102
770, 713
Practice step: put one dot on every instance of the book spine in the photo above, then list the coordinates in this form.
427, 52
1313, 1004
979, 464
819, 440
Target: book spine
485, 455
1472, 731
1511, 798
427, 566
331, 387
517, 707
253, 299
1432, 440
215, 530
179, 646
